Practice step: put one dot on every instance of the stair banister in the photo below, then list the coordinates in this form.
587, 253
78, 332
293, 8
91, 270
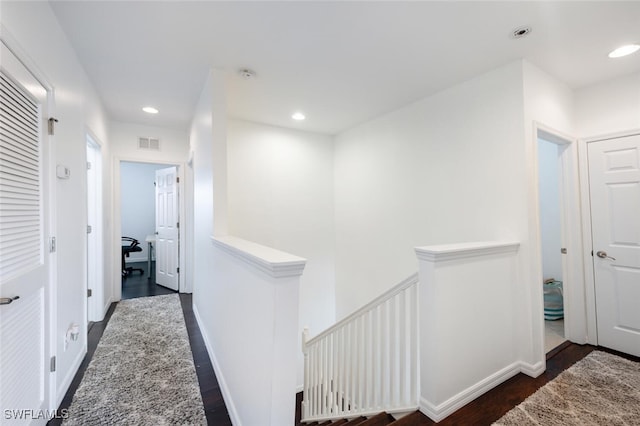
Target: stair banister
367, 362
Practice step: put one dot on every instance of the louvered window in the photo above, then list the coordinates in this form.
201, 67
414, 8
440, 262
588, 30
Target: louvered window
20, 184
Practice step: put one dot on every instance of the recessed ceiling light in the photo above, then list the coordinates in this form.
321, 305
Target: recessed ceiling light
298, 116
624, 50
150, 110
246, 73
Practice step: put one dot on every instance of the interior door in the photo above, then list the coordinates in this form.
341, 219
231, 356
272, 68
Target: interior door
614, 178
24, 257
167, 228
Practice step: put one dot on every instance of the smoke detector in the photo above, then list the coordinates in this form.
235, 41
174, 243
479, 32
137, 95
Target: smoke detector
521, 32
247, 74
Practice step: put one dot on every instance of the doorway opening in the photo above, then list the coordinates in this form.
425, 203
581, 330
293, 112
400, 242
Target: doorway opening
95, 265
561, 240
143, 213
550, 206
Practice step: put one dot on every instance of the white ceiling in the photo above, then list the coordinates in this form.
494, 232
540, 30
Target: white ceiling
342, 63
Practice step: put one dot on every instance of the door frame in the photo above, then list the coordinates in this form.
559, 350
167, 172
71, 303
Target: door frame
95, 255
576, 324
589, 277
50, 214
117, 222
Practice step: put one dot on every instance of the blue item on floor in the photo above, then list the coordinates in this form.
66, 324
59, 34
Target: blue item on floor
553, 301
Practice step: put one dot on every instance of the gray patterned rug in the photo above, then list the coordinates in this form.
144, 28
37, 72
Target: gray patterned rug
142, 371
600, 389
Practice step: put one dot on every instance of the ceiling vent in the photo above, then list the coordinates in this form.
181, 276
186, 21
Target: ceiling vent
149, 143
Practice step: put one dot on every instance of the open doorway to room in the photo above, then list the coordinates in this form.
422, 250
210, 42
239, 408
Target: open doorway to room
149, 218
551, 238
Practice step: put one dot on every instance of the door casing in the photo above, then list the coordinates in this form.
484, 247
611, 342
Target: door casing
96, 308
576, 324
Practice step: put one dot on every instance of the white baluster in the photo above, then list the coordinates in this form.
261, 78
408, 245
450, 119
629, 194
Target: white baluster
402, 347
305, 389
347, 367
415, 347
360, 362
316, 382
325, 393
368, 359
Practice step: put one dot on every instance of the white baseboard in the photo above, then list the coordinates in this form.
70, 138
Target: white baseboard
61, 391
533, 370
106, 307
226, 395
440, 411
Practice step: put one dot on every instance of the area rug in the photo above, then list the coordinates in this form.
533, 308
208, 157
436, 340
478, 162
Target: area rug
600, 389
142, 371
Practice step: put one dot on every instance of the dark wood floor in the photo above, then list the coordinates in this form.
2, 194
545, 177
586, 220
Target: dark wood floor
139, 286
489, 407
214, 406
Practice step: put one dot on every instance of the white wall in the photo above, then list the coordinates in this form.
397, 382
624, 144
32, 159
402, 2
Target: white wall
547, 102
246, 316
446, 169
78, 109
138, 207
609, 107
280, 190
550, 220
174, 143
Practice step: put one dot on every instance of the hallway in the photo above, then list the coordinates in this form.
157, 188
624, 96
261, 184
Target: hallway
136, 286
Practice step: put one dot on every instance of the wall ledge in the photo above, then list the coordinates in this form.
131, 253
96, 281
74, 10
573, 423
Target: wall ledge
270, 261
465, 250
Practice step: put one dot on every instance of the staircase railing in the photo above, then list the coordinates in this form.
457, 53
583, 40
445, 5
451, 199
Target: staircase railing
366, 363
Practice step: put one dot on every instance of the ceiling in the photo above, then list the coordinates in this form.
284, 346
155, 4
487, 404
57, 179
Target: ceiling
341, 63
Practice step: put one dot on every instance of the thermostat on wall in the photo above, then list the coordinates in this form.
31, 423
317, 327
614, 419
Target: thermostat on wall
63, 172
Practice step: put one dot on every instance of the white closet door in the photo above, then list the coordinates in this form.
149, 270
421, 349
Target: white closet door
24, 258
614, 182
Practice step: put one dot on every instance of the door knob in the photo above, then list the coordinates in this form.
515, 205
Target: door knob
7, 300
603, 255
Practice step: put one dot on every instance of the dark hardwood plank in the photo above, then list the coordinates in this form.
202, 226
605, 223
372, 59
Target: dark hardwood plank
138, 285
381, 419
214, 406
355, 421
413, 419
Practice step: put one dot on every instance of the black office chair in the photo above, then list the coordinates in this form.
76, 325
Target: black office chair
129, 245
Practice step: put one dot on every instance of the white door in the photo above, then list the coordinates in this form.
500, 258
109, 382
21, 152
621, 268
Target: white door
24, 257
167, 227
614, 178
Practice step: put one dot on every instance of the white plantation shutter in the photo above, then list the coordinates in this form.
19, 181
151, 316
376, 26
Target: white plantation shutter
20, 185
